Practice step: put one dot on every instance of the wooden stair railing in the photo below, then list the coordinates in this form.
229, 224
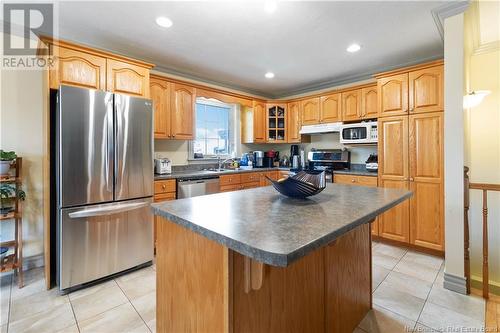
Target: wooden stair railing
484, 188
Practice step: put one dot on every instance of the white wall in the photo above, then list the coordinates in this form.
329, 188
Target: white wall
21, 130
482, 148
453, 148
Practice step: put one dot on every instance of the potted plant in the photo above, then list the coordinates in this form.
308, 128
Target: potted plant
8, 195
6, 158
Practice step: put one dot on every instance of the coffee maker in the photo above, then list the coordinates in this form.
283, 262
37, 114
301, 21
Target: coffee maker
295, 157
258, 159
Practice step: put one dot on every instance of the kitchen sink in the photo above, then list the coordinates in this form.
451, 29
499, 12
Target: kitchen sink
220, 170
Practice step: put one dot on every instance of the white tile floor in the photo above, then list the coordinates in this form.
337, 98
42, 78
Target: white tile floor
408, 295
124, 304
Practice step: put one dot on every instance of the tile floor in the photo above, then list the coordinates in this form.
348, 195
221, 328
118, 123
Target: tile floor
124, 304
408, 295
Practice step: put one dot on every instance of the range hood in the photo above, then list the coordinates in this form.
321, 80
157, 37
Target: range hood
321, 128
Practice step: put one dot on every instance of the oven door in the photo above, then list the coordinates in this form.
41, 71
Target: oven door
355, 134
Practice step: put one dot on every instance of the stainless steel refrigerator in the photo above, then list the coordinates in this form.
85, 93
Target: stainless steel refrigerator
104, 181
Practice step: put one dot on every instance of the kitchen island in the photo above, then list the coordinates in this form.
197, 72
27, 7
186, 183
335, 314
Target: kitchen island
256, 261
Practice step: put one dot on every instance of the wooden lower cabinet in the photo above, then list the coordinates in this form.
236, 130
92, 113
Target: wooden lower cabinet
274, 175
394, 224
426, 215
371, 181
164, 190
246, 180
329, 290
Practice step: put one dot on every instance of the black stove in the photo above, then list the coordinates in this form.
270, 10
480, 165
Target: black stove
329, 160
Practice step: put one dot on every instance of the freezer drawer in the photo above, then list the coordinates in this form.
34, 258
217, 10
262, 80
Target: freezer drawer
100, 240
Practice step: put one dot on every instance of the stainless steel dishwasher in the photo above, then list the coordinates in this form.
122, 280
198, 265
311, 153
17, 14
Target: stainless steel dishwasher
193, 187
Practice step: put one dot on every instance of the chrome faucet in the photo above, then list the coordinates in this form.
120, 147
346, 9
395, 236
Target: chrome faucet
221, 164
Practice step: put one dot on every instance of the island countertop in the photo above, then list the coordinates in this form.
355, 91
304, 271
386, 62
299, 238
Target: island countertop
268, 227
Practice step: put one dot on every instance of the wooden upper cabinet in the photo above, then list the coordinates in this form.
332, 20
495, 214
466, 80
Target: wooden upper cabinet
127, 78
77, 68
426, 90
393, 95
276, 118
259, 122
369, 102
426, 180
293, 122
351, 105
160, 95
182, 111
330, 108
310, 111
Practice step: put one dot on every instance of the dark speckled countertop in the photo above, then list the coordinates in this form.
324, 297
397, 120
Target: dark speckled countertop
203, 173
266, 226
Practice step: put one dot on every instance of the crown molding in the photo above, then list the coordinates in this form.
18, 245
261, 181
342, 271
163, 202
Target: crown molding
353, 78
215, 84
440, 13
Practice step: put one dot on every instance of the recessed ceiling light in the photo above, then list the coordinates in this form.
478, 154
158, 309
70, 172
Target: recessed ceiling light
269, 75
270, 6
353, 48
164, 22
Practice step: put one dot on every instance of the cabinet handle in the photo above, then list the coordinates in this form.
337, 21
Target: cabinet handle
353, 180
411, 109
163, 186
411, 179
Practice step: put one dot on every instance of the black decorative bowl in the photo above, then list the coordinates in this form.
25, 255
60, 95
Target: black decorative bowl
302, 185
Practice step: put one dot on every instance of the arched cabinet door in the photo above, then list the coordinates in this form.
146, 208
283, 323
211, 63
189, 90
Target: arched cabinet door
160, 95
126, 78
369, 105
351, 105
310, 111
77, 68
393, 95
182, 111
331, 108
426, 90
259, 122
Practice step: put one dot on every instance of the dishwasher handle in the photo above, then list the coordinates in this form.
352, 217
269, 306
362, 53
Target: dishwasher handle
198, 180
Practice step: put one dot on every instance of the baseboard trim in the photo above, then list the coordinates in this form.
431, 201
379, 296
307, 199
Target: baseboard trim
33, 262
455, 283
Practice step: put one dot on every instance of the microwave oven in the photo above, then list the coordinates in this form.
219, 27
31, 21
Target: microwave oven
364, 132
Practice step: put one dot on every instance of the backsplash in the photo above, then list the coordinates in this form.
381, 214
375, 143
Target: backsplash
177, 150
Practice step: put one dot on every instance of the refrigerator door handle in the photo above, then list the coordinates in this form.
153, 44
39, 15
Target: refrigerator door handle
109, 210
110, 140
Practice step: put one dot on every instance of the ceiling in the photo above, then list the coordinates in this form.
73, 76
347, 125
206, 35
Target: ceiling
234, 43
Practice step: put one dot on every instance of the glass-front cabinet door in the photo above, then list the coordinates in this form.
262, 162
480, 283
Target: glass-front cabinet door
276, 123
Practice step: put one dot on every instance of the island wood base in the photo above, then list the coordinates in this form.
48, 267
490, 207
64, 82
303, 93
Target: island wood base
203, 286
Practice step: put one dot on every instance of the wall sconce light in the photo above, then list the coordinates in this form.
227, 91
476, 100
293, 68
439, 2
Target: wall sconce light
475, 98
